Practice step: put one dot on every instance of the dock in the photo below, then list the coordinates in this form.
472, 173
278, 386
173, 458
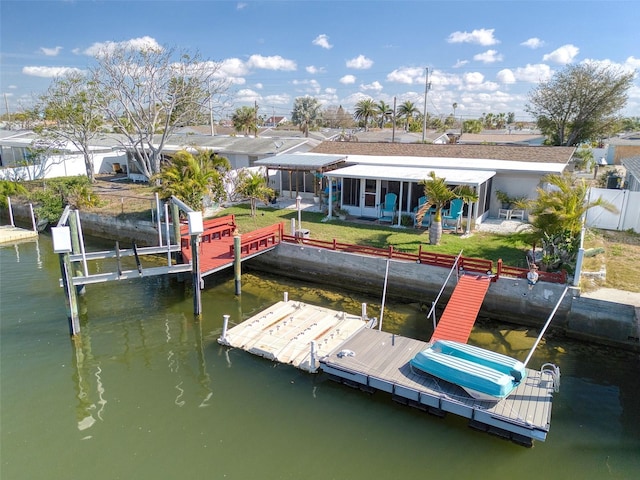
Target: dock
11, 234
345, 348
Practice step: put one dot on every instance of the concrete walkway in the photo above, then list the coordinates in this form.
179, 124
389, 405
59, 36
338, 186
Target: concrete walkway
615, 296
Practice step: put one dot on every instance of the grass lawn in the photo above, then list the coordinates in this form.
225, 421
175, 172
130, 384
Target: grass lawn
489, 246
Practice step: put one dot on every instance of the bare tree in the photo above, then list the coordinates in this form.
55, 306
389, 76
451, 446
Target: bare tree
149, 92
71, 108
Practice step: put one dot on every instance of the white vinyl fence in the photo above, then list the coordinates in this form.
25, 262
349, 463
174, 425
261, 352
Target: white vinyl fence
627, 203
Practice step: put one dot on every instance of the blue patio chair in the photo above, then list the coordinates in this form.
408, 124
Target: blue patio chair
388, 208
426, 220
454, 216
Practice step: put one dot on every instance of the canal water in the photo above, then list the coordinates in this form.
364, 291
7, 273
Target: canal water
147, 392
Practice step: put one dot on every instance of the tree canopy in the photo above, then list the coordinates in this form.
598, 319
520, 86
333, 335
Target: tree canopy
580, 102
148, 92
71, 108
306, 112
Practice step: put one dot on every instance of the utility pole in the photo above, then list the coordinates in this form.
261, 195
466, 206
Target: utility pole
424, 120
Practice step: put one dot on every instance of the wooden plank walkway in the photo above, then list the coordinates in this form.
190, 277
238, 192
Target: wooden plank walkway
216, 243
463, 307
381, 362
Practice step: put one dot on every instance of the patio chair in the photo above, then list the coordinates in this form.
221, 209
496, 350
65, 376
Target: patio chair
388, 208
454, 216
426, 220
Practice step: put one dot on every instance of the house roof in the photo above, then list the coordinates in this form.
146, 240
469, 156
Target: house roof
502, 138
412, 174
387, 135
633, 166
537, 154
301, 161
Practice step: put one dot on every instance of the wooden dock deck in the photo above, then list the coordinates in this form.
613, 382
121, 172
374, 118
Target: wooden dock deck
373, 360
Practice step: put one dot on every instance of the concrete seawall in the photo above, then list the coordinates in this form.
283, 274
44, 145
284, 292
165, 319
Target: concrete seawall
509, 299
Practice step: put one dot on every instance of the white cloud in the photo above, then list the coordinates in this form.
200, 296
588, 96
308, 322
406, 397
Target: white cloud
533, 43
259, 86
633, 62
506, 76
348, 80
360, 63
12, 87
241, 6
49, 72
533, 73
275, 62
483, 36
460, 63
322, 41
281, 99
314, 70
490, 56
141, 43
375, 86
311, 86
246, 95
331, 91
407, 75
473, 78
563, 55
51, 52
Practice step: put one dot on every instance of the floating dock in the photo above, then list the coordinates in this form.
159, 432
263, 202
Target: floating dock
11, 234
342, 346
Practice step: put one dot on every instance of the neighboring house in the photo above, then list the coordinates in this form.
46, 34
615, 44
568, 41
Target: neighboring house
632, 175
372, 170
622, 147
25, 156
274, 121
400, 136
18, 159
500, 137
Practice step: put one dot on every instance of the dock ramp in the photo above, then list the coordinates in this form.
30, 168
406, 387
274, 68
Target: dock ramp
462, 309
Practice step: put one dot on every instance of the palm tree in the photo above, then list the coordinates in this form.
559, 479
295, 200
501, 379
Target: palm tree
244, 120
306, 112
254, 186
364, 110
557, 216
406, 110
438, 195
190, 178
383, 109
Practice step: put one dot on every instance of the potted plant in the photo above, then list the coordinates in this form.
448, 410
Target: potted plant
504, 199
342, 213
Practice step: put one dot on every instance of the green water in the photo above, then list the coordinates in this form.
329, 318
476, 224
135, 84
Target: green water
147, 392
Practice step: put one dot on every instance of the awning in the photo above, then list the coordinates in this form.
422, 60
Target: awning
413, 174
301, 161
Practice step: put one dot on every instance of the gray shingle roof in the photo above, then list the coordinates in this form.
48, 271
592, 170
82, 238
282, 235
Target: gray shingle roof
541, 154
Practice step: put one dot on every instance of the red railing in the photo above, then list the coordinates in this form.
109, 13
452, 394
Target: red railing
216, 228
260, 239
517, 272
469, 264
427, 258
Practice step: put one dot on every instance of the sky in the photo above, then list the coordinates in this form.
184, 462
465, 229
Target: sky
484, 56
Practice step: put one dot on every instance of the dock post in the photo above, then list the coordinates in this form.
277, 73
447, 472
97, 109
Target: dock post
364, 312
312, 357
286, 296
33, 218
175, 218
237, 272
195, 269
11, 212
62, 246
225, 325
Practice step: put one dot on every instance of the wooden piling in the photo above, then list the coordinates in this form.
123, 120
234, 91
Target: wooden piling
237, 271
195, 271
